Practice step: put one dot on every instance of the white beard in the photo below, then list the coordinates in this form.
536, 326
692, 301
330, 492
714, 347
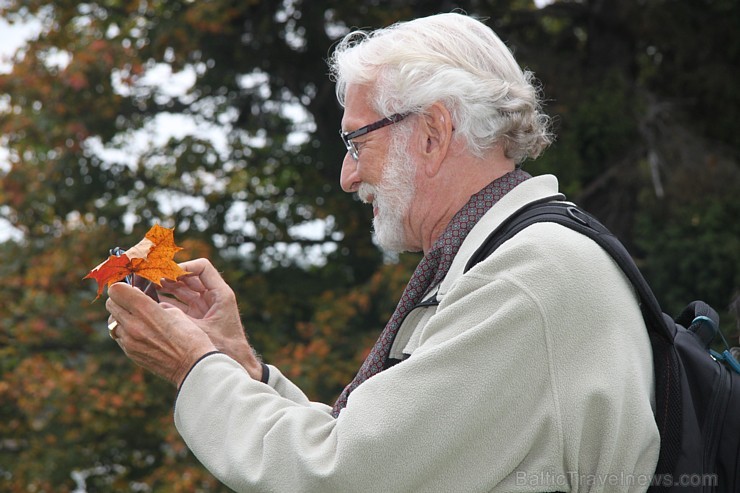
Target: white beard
392, 197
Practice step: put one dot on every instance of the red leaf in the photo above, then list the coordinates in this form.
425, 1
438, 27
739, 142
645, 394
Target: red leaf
112, 270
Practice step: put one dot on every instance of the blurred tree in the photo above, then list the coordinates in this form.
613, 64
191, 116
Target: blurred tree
646, 119
217, 118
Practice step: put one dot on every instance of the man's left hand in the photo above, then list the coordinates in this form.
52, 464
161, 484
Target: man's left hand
160, 338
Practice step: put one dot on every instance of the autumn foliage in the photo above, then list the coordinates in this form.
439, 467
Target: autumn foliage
152, 258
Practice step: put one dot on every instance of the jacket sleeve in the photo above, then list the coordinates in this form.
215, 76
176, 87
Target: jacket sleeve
287, 389
497, 397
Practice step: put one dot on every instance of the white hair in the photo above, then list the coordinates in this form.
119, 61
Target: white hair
453, 59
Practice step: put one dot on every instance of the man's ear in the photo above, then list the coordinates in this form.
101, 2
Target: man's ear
435, 137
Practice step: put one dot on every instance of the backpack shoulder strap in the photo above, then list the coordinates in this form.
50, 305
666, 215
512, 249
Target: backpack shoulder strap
570, 216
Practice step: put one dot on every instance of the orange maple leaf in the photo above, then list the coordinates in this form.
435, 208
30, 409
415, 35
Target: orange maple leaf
151, 258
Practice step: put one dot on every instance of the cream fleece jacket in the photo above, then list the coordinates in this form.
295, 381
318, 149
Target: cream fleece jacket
534, 374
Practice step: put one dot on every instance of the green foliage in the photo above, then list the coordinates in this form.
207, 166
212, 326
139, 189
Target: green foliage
692, 56
80, 113
691, 248
597, 129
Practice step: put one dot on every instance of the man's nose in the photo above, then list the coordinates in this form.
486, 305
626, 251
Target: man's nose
350, 177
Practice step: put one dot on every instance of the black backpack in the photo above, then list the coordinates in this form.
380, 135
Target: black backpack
697, 389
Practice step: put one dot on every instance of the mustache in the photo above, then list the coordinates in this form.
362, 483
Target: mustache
367, 193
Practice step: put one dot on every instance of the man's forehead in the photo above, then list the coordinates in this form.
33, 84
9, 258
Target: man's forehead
356, 106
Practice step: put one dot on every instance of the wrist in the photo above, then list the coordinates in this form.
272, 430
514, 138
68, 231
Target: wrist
255, 369
246, 356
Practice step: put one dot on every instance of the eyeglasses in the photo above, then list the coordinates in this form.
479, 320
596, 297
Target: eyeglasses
348, 136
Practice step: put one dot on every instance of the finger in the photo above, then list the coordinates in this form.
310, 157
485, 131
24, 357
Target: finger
186, 290
190, 291
195, 267
174, 303
182, 288
113, 327
128, 298
188, 282
191, 302
194, 283
117, 312
115, 324
202, 270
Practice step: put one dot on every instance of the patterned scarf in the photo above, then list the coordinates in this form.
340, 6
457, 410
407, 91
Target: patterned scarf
430, 272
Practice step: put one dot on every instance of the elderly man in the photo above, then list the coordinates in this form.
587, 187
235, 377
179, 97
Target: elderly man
530, 372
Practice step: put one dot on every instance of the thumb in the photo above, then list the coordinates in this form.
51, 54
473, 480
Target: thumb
128, 297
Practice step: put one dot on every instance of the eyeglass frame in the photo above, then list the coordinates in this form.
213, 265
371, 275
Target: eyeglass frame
384, 122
